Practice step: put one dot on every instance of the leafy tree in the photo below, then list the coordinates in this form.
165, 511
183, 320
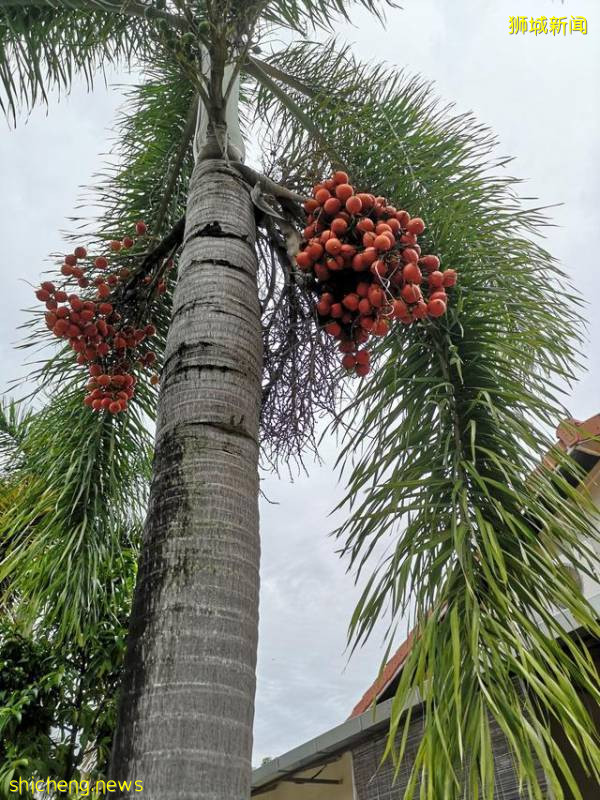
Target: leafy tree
58, 696
440, 443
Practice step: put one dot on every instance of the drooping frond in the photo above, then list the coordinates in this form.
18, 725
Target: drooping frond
83, 480
44, 44
445, 438
301, 15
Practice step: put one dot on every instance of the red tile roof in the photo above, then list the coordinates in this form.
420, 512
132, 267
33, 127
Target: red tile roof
569, 433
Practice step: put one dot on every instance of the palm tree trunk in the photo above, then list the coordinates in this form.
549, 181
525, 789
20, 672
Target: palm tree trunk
187, 705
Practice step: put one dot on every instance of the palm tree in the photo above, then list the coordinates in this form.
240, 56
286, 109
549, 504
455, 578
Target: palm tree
443, 437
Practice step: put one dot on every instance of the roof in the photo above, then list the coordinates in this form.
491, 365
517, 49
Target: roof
572, 431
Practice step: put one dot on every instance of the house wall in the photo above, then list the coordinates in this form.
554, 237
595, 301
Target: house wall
341, 769
375, 782
589, 586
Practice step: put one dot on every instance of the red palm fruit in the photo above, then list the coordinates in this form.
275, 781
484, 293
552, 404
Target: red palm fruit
139, 335
335, 264
347, 318
382, 227
336, 310
346, 347
450, 276
364, 306
365, 225
62, 312
362, 370
316, 188
112, 280
410, 254
97, 404
348, 251
48, 287
95, 370
332, 206
379, 268
61, 327
118, 380
325, 236
86, 315
376, 296
140, 227
66, 269
51, 319
60, 296
105, 403
150, 330
363, 357
89, 305
344, 192
51, 304
368, 200
75, 302
322, 196
368, 239
310, 205
358, 263
127, 242
154, 379
333, 246
103, 291
90, 352
382, 242
353, 205
120, 343
103, 349
436, 308
129, 379
88, 400
348, 361
101, 262
411, 293
328, 297
333, 329
303, 260
73, 331
415, 225
77, 272
350, 301
394, 225
80, 252
329, 184
321, 272
399, 308
339, 226
105, 308
309, 232
323, 308
420, 310
369, 256
430, 263
115, 246
360, 336
71, 260
314, 251
408, 238
42, 295
403, 217
381, 327
440, 294
412, 274
362, 289
83, 283
417, 247
340, 177
366, 323
90, 331
78, 345
436, 279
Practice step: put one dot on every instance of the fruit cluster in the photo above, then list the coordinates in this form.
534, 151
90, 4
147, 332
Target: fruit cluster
368, 267
104, 327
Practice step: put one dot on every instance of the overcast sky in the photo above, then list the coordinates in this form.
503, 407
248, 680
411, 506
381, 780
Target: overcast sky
539, 94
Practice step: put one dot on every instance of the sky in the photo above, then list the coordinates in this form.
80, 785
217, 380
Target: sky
539, 95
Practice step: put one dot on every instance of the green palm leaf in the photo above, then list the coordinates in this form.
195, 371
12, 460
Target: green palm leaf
444, 440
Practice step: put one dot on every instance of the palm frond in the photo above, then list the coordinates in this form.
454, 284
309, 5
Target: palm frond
444, 441
44, 45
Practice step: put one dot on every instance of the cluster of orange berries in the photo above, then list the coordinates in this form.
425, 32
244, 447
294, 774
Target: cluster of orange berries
368, 266
100, 328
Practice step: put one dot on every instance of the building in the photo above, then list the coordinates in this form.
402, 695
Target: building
344, 762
